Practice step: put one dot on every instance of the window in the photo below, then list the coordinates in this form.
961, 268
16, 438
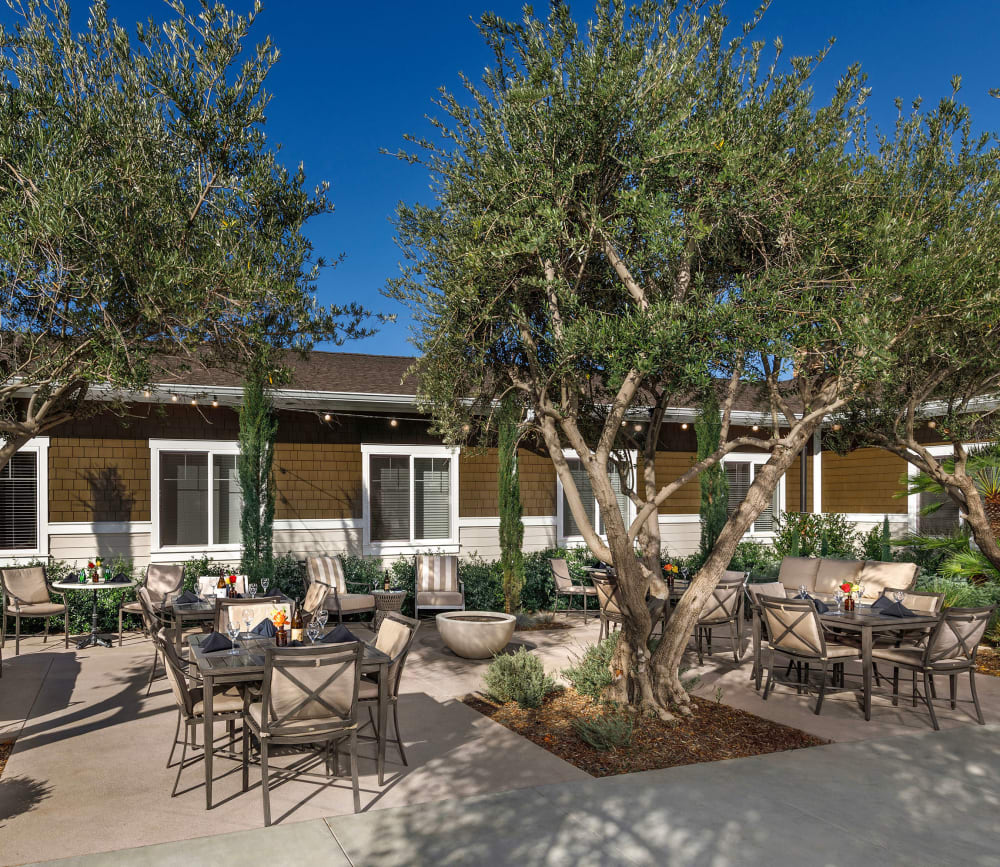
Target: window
567, 524
740, 473
197, 495
941, 521
411, 495
19, 503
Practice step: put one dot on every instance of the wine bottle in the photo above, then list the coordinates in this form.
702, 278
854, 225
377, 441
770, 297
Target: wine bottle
385, 585
298, 630
220, 588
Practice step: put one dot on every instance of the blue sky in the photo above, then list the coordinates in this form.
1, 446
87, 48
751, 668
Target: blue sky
354, 77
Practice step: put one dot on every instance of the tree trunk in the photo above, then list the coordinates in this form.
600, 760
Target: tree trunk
983, 519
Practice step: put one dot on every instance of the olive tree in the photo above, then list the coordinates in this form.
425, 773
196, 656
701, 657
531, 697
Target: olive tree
631, 217
147, 224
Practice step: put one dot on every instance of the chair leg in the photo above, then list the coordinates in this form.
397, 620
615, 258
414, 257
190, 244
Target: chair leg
878, 680
927, 698
45, 632
246, 756
770, 676
975, 697
953, 689
173, 746
734, 633
399, 737
17, 635
915, 688
66, 626
371, 717
895, 686
180, 764
354, 771
822, 687
152, 670
263, 781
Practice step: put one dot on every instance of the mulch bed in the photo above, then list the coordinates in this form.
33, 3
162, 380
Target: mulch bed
988, 661
543, 626
715, 732
6, 748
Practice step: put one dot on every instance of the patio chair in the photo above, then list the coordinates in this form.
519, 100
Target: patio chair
919, 602
25, 593
152, 624
161, 580
796, 631
724, 606
309, 696
261, 607
207, 585
949, 650
769, 590
611, 605
329, 571
566, 587
394, 638
437, 585
227, 704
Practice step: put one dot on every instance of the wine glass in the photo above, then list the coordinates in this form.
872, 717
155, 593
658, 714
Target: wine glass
859, 593
312, 630
265, 582
322, 616
252, 587
248, 618
838, 596
898, 596
802, 591
234, 632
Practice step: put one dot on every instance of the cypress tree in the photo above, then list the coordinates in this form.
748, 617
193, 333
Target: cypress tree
714, 506
509, 495
258, 427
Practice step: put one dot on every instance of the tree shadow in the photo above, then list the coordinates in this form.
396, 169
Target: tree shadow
20, 795
109, 500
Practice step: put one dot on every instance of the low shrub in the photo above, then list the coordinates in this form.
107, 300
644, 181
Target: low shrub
539, 593
483, 582
606, 732
806, 534
959, 593
518, 677
757, 558
591, 673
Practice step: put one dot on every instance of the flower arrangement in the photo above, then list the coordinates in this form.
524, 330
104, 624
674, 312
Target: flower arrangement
231, 579
670, 568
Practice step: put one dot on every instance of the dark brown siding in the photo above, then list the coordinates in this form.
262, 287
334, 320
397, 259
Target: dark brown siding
793, 486
862, 481
477, 485
317, 480
93, 479
670, 465
538, 483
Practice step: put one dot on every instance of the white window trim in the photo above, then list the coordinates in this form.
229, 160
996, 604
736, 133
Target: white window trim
212, 447
413, 546
578, 541
758, 459
913, 500
14, 556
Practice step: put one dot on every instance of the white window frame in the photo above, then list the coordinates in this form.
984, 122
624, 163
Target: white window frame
14, 556
412, 545
211, 448
757, 459
578, 541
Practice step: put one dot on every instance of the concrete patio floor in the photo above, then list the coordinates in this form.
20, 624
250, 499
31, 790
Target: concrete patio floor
87, 773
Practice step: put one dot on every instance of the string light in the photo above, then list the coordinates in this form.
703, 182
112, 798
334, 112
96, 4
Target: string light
194, 401
215, 401
326, 416
146, 393
932, 424
836, 427
393, 423
173, 397
637, 428
684, 426
756, 427
466, 428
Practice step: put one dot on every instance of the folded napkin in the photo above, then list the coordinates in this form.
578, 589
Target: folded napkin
821, 606
265, 628
295, 644
885, 605
186, 598
338, 635
120, 578
216, 641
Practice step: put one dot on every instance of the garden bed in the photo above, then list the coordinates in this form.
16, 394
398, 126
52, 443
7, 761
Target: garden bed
988, 661
716, 732
6, 748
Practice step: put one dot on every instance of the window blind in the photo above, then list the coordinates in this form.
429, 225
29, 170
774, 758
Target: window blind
19, 503
184, 498
616, 484
389, 492
227, 500
740, 475
431, 498
582, 481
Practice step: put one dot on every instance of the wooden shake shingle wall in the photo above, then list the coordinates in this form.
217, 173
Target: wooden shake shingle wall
100, 469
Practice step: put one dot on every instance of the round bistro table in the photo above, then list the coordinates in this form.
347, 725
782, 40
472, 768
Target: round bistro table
386, 601
94, 588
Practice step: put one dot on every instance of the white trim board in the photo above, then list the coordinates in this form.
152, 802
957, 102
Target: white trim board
94, 528
309, 524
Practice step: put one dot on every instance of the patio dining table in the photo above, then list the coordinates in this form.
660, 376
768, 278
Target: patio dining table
247, 666
179, 613
868, 623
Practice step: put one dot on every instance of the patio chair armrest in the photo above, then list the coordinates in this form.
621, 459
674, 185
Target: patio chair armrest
367, 586
60, 593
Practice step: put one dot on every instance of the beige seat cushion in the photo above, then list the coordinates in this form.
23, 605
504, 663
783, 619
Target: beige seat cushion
841, 651
770, 589
132, 608
350, 601
798, 571
40, 609
914, 657
222, 702
569, 591
440, 597
299, 726
832, 573
876, 576
367, 691
27, 584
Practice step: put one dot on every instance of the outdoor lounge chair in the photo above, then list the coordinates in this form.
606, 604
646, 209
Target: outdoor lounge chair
394, 638
309, 697
795, 630
566, 587
329, 570
160, 582
724, 606
437, 585
949, 650
25, 594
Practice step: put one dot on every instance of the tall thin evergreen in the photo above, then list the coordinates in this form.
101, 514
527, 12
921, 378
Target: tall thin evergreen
509, 494
258, 427
714, 506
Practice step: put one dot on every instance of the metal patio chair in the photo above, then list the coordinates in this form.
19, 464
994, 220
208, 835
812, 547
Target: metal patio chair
329, 571
25, 593
437, 585
566, 587
161, 580
723, 607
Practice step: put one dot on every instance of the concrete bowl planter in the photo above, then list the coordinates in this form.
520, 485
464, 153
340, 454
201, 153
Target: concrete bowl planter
476, 634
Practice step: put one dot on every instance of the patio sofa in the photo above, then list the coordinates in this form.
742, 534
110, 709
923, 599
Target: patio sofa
822, 576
